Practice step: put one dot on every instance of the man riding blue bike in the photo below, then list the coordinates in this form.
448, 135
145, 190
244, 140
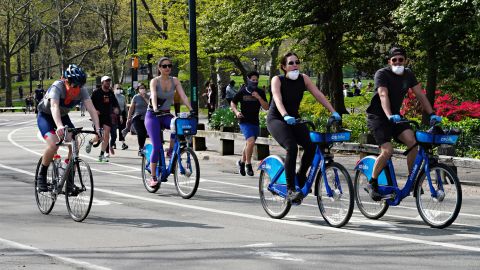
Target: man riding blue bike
60, 98
383, 114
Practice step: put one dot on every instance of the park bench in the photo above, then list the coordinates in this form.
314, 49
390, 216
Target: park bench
13, 109
227, 141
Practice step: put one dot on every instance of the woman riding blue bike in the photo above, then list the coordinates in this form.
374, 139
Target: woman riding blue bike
162, 89
287, 92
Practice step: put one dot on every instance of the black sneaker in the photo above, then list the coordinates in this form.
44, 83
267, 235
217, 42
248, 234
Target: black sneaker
42, 183
73, 190
373, 192
295, 196
249, 169
124, 146
241, 167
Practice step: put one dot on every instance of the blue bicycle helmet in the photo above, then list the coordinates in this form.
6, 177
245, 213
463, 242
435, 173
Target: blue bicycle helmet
75, 75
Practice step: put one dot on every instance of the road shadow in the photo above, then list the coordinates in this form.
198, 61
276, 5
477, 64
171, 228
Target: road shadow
146, 223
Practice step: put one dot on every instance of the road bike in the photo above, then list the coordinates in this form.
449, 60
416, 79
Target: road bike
435, 186
183, 162
333, 185
77, 175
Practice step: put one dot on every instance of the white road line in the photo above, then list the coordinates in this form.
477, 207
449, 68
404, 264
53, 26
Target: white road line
277, 221
469, 235
70, 261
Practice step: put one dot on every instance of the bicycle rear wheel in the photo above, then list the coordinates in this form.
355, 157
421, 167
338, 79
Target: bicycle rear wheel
186, 173
337, 209
45, 200
369, 208
146, 176
79, 190
441, 211
273, 204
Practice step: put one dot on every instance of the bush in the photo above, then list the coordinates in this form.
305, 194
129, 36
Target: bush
469, 141
223, 117
357, 123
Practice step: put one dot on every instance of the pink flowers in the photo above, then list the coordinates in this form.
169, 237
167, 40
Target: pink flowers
445, 105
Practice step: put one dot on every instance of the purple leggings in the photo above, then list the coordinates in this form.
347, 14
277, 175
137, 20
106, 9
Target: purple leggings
154, 126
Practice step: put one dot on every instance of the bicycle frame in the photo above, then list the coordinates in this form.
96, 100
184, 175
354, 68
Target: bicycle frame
387, 180
273, 165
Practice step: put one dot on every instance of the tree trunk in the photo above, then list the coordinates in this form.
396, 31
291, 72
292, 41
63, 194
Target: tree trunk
334, 74
273, 61
19, 68
8, 81
223, 79
2, 72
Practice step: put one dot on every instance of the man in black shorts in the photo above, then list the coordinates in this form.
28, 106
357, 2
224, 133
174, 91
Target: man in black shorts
105, 103
383, 114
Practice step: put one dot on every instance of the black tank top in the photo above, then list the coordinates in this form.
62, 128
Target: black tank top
292, 94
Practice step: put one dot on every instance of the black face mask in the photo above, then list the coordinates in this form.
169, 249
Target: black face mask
252, 85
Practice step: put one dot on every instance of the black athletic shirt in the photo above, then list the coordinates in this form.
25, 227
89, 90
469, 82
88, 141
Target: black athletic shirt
397, 86
104, 102
250, 106
292, 94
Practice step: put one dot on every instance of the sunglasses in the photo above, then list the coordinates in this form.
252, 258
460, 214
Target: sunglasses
167, 65
399, 60
291, 63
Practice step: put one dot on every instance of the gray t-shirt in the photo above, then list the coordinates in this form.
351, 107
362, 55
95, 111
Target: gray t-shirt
122, 102
230, 92
140, 105
165, 98
58, 91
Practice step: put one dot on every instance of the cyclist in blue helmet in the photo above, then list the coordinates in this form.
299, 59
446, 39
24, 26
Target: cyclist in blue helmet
61, 97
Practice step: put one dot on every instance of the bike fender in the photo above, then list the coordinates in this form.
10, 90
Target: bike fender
148, 148
271, 165
365, 165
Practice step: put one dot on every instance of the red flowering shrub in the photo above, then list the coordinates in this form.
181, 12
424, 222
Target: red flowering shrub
445, 105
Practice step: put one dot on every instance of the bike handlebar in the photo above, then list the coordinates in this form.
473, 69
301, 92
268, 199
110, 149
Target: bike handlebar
76, 131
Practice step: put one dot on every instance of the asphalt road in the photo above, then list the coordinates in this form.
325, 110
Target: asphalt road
222, 227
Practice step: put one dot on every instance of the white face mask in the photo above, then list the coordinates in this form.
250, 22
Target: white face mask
293, 74
398, 69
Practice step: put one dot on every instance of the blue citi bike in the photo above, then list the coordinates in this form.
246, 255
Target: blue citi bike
333, 185
183, 162
435, 186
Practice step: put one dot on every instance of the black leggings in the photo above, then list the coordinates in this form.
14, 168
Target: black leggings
139, 126
289, 137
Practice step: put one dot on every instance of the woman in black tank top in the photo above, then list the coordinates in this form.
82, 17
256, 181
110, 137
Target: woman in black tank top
287, 93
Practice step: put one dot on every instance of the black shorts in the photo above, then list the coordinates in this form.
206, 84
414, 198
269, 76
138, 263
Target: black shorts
383, 130
105, 119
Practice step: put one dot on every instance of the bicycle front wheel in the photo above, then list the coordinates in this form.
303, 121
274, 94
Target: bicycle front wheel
369, 208
275, 205
146, 176
338, 208
79, 190
441, 210
46, 200
186, 173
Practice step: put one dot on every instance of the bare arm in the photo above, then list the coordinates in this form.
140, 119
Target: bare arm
153, 93
93, 112
319, 96
263, 103
181, 93
235, 110
130, 111
427, 107
277, 96
385, 100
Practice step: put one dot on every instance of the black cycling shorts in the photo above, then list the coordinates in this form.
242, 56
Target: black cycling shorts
383, 130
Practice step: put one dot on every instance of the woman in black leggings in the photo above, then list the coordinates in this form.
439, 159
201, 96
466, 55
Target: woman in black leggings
287, 91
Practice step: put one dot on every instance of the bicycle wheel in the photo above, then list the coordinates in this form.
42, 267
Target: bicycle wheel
273, 204
186, 173
45, 200
369, 208
79, 190
146, 177
336, 210
441, 211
